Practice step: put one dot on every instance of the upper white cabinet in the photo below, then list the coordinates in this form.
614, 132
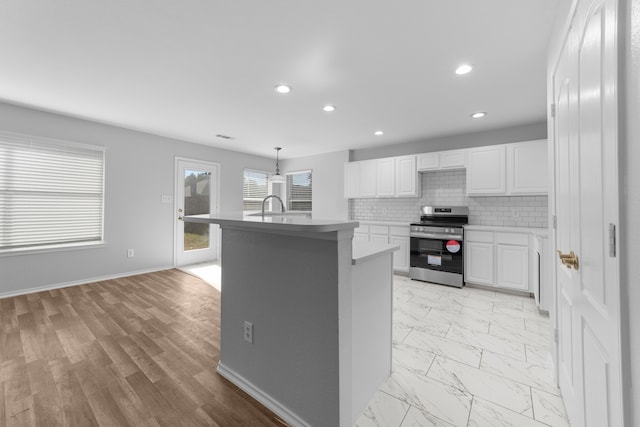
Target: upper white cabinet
406, 177
452, 159
509, 169
486, 170
527, 167
387, 177
360, 179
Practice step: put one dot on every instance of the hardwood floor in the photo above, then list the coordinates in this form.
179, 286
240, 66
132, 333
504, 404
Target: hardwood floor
135, 351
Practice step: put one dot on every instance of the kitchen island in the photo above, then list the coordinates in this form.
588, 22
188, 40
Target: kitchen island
305, 315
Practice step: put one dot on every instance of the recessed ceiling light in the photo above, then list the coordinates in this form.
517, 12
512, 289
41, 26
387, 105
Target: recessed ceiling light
478, 115
329, 108
463, 69
378, 132
282, 88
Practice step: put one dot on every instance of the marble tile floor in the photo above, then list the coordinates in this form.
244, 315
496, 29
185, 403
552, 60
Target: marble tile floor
466, 357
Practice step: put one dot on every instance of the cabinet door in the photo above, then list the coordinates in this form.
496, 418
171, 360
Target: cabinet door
385, 177
360, 237
406, 177
401, 256
429, 161
367, 178
379, 238
351, 180
527, 167
453, 159
513, 267
478, 263
486, 170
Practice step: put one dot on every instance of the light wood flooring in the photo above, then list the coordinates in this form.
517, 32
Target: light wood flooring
135, 351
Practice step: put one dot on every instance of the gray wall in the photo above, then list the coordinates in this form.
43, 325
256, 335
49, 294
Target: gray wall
629, 156
139, 168
328, 182
478, 139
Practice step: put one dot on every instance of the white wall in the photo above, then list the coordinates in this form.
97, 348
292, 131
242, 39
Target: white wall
328, 182
139, 168
629, 157
526, 132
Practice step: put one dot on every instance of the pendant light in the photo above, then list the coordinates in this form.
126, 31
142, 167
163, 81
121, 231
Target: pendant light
276, 178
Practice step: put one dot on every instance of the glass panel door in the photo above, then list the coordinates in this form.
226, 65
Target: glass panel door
197, 184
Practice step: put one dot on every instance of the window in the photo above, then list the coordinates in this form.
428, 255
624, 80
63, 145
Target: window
299, 191
254, 190
51, 193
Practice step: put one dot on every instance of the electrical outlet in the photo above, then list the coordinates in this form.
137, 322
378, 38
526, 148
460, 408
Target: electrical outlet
130, 253
248, 332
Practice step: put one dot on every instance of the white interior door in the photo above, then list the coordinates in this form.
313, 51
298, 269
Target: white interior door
196, 193
586, 203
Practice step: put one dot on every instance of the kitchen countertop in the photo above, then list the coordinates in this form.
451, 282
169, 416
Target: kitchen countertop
394, 224
274, 222
542, 232
363, 251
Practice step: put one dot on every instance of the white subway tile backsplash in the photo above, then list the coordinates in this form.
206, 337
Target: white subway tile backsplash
449, 188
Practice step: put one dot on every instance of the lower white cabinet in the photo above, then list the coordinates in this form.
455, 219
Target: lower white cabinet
394, 234
498, 259
513, 267
478, 263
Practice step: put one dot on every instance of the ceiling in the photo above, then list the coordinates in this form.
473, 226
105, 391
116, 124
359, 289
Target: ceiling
195, 69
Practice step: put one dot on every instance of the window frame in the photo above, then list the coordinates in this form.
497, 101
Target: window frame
289, 200
51, 144
254, 199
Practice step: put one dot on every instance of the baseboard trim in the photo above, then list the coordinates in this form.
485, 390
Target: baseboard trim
274, 406
80, 282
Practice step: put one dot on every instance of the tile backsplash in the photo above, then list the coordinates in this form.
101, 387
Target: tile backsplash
448, 188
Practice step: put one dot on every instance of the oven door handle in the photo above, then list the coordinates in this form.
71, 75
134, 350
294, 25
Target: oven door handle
436, 236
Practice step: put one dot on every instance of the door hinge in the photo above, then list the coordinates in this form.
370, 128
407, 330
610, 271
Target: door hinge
612, 240
554, 220
553, 110
555, 335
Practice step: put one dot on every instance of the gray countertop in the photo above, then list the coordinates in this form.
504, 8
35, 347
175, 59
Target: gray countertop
274, 222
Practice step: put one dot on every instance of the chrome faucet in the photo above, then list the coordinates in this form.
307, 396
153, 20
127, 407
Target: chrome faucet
270, 196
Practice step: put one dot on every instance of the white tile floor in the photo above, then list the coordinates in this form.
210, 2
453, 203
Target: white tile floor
466, 357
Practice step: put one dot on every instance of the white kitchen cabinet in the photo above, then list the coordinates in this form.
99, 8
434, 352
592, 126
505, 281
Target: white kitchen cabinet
394, 234
510, 169
499, 259
486, 171
451, 159
386, 177
406, 182
429, 161
360, 179
367, 178
478, 258
527, 168
513, 267
352, 180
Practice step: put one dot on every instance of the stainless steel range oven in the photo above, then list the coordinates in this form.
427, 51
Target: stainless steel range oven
437, 243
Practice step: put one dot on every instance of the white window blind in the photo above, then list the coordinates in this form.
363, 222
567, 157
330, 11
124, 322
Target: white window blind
51, 193
254, 190
299, 191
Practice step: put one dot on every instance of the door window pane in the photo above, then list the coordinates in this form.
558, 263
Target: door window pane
196, 202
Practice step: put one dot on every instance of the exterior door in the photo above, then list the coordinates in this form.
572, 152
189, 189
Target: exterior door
196, 193
586, 205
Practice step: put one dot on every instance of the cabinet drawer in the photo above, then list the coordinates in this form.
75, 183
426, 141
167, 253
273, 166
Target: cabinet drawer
512, 239
379, 229
399, 231
363, 229
478, 236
